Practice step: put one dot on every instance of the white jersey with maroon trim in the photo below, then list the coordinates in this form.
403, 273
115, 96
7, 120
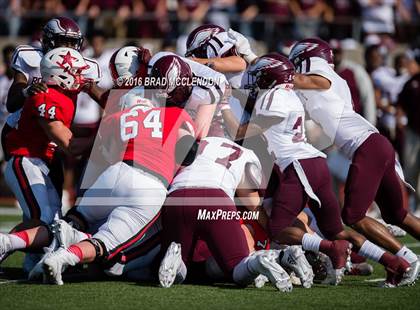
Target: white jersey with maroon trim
27, 59
333, 110
220, 164
286, 140
210, 93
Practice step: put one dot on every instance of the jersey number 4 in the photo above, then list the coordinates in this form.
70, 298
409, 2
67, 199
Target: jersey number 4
130, 128
224, 161
51, 111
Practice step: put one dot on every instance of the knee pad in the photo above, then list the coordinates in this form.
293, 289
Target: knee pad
77, 219
99, 245
350, 218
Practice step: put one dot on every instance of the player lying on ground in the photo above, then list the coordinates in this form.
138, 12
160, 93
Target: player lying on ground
304, 174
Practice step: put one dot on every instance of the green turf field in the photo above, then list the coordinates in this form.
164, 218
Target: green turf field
354, 292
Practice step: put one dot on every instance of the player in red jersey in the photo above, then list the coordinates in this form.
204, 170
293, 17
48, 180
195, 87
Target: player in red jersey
43, 126
146, 144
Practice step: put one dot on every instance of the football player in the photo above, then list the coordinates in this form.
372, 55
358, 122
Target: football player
43, 127
374, 174
27, 80
149, 142
208, 186
304, 176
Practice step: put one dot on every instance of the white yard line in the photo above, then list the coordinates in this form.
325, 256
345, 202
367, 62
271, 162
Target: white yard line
375, 280
13, 281
413, 245
10, 211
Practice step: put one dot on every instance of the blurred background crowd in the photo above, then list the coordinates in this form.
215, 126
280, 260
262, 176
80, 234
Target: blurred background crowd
376, 45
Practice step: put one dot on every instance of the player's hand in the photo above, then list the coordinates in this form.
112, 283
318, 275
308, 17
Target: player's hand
35, 88
241, 44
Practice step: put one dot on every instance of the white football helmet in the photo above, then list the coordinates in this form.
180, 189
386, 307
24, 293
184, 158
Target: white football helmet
128, 62
64, 67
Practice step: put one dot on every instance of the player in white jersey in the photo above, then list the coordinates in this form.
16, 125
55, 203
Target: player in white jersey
304, 176
373, 175
200, 205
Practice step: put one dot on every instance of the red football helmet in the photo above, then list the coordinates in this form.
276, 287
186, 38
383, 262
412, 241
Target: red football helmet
173, 79
61, 32
206, 42
129, 62
270, 70
312, 47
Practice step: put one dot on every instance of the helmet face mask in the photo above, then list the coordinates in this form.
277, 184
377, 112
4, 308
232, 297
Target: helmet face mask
270, 70
61, 32
202, 41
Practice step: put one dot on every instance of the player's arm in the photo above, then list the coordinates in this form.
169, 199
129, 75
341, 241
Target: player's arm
250, 129
58, 133
224, 65
19, 90
96, 93
247, 192
311, 81
186, 146
203, 119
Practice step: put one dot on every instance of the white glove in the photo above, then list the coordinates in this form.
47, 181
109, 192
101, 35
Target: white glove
242, 45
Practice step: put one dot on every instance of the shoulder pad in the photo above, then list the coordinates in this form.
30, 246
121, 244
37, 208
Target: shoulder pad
29, 55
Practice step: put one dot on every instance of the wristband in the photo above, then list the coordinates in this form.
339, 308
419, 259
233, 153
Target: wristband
225, 106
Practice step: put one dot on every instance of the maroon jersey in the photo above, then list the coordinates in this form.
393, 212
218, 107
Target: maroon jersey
149, 136
28, 138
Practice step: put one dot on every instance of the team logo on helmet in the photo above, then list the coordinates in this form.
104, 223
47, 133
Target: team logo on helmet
172, 75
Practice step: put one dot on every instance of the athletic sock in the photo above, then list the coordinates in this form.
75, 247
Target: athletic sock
407, 254
19, 240
77, 251
311, 242
371, 251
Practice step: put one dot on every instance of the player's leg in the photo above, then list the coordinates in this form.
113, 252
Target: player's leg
30, 183
365, 174
288, 202
329, 222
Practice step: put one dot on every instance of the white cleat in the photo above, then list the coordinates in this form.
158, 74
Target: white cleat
410, 277
65, 234
170, 265
260, 281
55, 264
294, 260
265, 264
5, 247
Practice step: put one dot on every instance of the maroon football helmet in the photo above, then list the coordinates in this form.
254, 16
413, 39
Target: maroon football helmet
173, 80
204, 42
270, 70
61, 32
312, 47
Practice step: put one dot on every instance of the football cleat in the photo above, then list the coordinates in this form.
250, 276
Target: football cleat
5, 247
260, 281
264, 262
65, 234
170, 265
294, 259
411, 275
339, 254
55, 264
